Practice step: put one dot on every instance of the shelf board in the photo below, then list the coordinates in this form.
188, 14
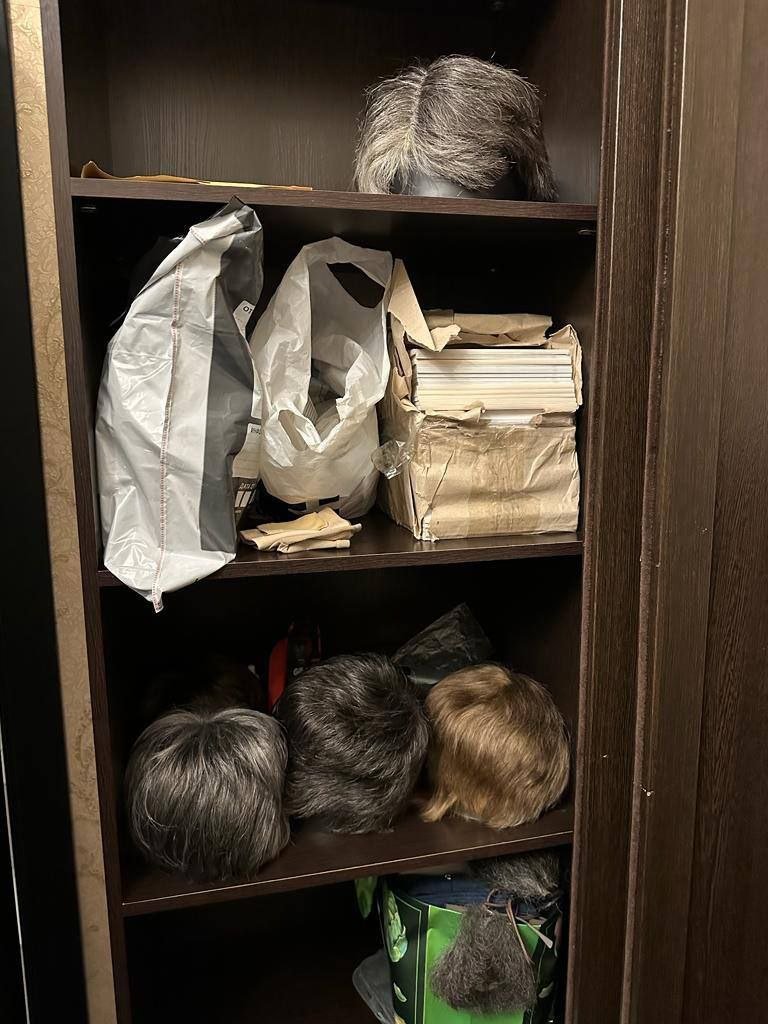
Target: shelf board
319, 858
578, 214
383, 545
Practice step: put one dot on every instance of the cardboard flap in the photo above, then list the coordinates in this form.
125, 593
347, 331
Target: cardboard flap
405, 310
440, 327
488, 329
402, 368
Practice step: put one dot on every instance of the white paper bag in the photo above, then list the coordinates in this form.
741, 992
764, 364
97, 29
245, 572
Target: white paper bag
322, 362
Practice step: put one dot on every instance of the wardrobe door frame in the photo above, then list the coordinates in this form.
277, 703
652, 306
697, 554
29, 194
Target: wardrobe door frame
704, 617
628, 224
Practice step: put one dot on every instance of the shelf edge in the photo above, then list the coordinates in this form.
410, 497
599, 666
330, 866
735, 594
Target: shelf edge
311, 562
98, 188
250, 890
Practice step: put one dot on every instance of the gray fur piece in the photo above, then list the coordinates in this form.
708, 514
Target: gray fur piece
461, 119
357, 739
485, 970
528, 877
204, 793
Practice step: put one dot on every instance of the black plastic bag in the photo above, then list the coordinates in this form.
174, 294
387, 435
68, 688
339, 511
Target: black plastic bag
454, 641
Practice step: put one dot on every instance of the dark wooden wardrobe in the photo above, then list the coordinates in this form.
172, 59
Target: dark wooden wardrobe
271, 92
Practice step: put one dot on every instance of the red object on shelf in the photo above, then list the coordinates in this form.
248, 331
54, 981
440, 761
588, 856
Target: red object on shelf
290, 657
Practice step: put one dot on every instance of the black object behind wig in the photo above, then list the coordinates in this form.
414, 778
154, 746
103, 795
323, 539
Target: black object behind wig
357, 738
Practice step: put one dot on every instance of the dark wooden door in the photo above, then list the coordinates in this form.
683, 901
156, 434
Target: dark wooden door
698, 898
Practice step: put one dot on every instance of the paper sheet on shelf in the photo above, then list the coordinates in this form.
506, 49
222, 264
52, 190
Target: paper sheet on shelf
92, 170
323, 529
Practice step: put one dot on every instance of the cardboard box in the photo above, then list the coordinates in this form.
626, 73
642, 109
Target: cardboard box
455, 476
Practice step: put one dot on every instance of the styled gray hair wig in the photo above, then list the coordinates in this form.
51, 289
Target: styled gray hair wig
461, 119
357, 739
204, 792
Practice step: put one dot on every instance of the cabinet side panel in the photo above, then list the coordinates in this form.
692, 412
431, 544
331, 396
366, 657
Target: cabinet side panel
43, 273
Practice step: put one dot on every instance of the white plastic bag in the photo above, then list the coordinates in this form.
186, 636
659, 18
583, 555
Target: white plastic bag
322, 362
176, 405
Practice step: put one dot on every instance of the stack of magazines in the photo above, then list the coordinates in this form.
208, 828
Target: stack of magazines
509, 385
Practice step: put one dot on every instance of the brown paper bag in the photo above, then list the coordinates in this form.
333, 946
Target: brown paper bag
459, 477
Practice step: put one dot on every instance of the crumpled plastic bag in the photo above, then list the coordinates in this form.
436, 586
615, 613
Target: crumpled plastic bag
322, 362
454, 641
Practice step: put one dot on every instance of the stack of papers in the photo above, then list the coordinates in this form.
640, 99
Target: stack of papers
511, 384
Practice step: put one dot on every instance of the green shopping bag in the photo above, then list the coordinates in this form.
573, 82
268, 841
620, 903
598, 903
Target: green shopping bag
416, 934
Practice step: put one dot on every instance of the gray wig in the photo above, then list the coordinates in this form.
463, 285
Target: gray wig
204, 792
528, 878
357, 739
460, 119
486, 970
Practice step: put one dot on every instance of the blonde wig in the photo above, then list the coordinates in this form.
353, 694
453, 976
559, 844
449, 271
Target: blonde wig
499, 748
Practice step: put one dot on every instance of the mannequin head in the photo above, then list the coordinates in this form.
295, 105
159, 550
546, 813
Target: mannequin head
458, 126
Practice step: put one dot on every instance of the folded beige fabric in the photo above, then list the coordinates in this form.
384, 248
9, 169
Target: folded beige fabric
323, 529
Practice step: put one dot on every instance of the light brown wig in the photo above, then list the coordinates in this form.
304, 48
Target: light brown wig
499, 748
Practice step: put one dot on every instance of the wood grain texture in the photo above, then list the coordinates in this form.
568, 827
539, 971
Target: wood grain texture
98, 188
691, 334
612, 528
81, 426
286, 958
87, 84
561, 46
481, 264
354, 611
224, 108
726, 970
317, 858
384, 545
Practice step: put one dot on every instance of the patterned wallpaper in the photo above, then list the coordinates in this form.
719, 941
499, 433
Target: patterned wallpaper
32, 127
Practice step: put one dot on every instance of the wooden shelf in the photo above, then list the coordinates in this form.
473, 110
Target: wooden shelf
382, 545
580, 215
318, 858
247, 966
